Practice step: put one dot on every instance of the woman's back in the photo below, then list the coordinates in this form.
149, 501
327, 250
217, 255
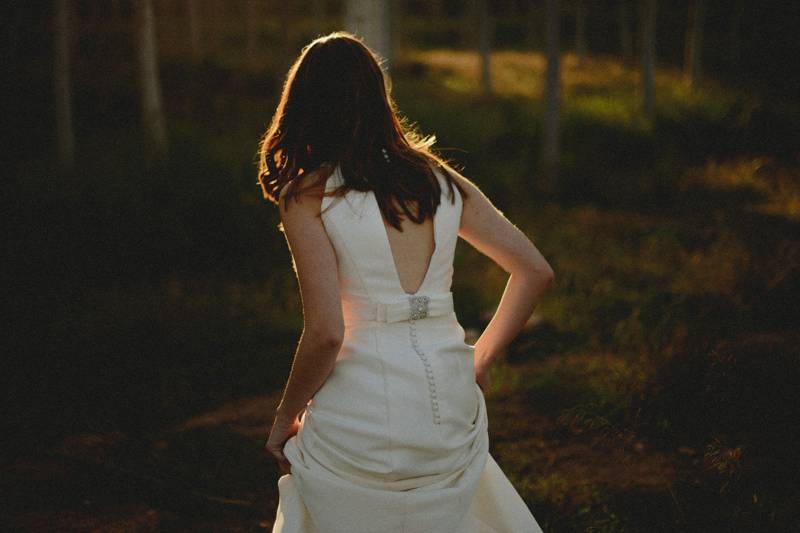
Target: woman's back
400, 423
412, 251
381, 262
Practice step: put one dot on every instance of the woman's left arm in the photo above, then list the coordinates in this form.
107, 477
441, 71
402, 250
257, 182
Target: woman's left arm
314, 261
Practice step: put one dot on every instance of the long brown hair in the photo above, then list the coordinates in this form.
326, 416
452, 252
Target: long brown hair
336, 108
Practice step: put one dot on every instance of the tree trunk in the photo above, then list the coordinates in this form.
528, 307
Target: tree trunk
625, 36
395, 25
533, 29
115, 10
195, 31
552, 91
735, 36
580, 31
693, 50
435, 8
288, 54
149, 82
62, 86
485, 31
252, 24
320, 16
371, 20
216, 12
647, 21
389, 33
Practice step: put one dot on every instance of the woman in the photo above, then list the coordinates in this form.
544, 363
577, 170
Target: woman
382, 426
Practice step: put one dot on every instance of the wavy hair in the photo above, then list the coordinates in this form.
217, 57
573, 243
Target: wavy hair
336, 109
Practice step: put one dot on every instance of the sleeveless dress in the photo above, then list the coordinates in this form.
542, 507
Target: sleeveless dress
396, 439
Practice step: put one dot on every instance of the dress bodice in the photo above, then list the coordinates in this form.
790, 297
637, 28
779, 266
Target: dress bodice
366, 269
396, 438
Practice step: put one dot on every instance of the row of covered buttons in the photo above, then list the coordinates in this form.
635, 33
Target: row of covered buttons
428, 371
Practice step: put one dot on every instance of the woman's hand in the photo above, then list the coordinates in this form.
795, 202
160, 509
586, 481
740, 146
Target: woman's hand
283, 428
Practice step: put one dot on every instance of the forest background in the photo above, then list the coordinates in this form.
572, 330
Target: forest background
649, 149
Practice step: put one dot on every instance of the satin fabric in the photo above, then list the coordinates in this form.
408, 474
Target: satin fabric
396, 439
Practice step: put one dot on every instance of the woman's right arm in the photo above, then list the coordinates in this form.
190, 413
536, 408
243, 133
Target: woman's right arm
491, 233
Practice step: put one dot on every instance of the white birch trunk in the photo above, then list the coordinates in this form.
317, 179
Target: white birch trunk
693, 51
149, 82
485, 31
371, 20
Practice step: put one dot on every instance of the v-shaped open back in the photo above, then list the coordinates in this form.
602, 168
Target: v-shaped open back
363, 245
386, 228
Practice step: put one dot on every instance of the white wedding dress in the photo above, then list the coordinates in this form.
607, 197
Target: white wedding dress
396, 439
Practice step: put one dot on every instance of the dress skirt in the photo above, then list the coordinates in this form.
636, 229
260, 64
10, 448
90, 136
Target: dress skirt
396, 441
496, 508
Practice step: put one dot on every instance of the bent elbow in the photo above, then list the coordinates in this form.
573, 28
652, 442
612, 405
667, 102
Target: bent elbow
541, 273
325, 338
548, 275
334, 341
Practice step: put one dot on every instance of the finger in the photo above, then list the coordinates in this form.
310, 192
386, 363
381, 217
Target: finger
278, 454
277, 451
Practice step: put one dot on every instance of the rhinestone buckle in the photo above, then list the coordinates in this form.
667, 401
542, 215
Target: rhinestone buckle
419, 307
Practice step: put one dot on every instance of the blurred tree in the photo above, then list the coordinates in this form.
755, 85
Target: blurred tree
287, 53
552, 91
319, 13
395, 23
580, 30
116, 10
693, 49
371, 20
625, 35
485, 24
647, 24
62, 85
252, 23
387, 8
533, 26
735, 35
216, 13
157, 144
195, 30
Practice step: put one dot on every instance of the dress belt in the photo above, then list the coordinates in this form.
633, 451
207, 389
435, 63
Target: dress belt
415, 307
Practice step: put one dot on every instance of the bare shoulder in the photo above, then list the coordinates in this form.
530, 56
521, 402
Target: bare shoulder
487, 228
476, 204
307, 191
